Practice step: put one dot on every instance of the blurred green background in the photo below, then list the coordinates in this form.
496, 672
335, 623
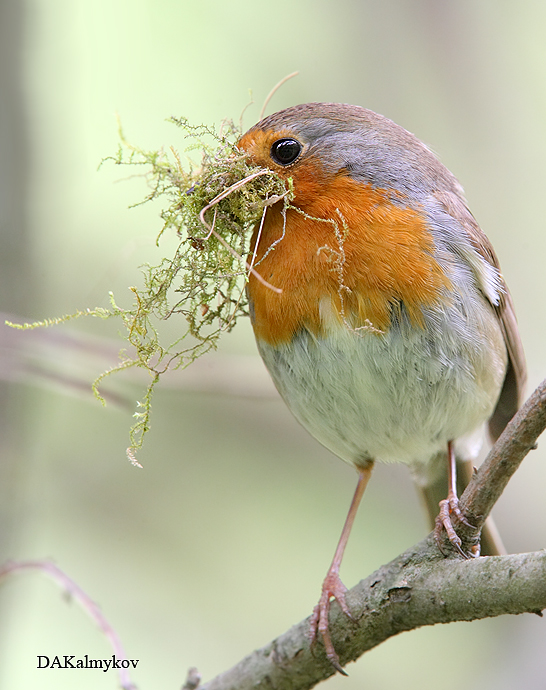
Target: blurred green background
221, 542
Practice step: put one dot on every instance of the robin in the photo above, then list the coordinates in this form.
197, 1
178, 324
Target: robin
393, 336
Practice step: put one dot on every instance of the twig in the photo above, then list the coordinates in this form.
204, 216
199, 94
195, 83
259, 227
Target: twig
274, 91
210, 228
88, 605
192, 679
518, 438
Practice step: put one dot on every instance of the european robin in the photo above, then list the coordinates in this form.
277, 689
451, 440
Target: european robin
394, 336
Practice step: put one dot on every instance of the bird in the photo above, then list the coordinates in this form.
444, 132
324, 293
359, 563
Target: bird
391, 335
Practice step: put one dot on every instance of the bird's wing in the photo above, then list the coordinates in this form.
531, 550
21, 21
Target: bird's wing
511, 395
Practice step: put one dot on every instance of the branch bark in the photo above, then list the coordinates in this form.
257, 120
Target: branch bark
418, 588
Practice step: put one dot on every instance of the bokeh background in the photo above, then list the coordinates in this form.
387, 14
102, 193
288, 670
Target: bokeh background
221, 542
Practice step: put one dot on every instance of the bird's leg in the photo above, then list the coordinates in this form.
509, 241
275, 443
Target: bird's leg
450, 506
332, 585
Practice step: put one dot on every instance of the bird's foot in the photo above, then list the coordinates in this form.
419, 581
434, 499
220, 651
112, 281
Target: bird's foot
332, 587
450, 512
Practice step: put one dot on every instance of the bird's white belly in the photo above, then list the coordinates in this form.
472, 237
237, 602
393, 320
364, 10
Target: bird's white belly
398, 396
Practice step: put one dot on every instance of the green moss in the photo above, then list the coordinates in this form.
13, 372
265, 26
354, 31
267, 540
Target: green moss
212, 209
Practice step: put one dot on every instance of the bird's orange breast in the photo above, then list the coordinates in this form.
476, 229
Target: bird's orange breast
361, 260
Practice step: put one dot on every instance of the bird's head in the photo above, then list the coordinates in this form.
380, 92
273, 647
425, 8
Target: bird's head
316, 143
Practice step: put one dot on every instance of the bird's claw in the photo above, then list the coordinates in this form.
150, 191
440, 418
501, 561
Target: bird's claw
448, 508
332, 587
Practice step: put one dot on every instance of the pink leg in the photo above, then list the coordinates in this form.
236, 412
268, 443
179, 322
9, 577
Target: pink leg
332, 585
450, 506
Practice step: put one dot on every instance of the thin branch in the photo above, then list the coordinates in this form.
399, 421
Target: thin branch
192, 679
519, 437
75, 591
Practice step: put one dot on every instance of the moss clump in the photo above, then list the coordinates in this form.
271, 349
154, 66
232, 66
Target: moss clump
212, 209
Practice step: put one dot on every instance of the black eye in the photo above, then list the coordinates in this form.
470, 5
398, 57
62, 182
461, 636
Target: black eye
285, 151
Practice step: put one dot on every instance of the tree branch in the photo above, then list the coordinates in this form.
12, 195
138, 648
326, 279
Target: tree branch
519, 437
418, 588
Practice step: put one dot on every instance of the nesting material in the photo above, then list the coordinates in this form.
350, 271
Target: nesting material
212, 209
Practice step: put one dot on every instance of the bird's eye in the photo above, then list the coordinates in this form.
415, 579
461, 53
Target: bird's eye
285, 151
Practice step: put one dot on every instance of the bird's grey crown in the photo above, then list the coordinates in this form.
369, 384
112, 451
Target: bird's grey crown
367, 146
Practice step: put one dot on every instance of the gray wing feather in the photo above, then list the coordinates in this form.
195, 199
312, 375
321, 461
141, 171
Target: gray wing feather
511, 395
